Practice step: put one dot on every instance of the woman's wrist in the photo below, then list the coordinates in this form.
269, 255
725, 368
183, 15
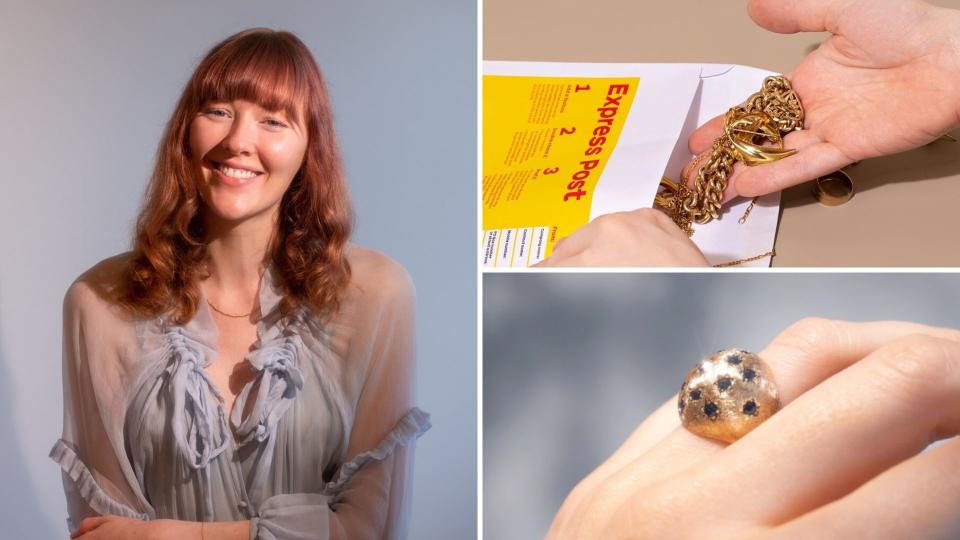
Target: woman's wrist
224, 530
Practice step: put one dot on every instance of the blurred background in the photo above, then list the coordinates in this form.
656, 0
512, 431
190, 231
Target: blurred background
572, 363
87, 89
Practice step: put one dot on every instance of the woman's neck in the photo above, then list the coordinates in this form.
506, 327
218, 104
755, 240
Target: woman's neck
237, 253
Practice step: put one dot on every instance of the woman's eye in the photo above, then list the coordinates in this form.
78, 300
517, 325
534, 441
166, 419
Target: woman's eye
217, 112
275, 123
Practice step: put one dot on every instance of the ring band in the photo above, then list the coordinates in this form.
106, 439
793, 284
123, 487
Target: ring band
726, 395
833, 189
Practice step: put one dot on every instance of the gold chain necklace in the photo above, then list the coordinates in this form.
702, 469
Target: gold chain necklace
218, 310
767, 115
738, 262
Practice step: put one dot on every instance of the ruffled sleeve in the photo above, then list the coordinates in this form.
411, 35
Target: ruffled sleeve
369, 495
97, 479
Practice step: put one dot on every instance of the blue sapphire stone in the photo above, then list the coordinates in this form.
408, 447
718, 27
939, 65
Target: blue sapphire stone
711, 410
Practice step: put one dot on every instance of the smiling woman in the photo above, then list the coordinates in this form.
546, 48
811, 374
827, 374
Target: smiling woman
287, 411
256, 102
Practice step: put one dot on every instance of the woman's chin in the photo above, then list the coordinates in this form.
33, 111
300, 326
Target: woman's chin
233, 215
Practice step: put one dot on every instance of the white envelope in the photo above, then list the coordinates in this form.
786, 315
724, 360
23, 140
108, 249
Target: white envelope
721, 87
671, 101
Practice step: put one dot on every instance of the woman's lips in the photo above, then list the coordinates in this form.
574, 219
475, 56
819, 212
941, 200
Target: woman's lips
231, 180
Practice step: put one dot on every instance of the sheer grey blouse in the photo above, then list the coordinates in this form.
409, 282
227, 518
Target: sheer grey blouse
325, 449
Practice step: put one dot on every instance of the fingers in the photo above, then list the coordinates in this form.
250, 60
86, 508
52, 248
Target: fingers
89, 524
841, 433
920, 494
813, 349
643, 237
650, 432
702, 139
800, 357
692, 170
814, 159
568, 247
792, 16
647, 435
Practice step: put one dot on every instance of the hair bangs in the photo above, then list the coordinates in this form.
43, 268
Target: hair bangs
275, 70
259, 68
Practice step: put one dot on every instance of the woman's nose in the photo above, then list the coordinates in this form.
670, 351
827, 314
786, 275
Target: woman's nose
241, 137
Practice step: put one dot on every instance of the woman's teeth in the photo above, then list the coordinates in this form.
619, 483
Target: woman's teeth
236, 173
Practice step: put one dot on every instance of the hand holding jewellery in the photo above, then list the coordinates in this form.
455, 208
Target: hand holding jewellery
766, 116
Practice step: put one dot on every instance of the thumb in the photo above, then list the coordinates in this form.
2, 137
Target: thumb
792, 16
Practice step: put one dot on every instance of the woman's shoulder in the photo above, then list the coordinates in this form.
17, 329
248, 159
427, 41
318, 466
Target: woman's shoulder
377, 276
97, 286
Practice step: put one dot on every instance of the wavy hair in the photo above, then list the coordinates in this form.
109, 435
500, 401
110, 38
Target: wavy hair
275, 70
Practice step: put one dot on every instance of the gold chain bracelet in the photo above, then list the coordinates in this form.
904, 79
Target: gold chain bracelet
767, 115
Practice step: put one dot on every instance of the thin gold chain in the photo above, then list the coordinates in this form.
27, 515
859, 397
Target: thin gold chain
737, 262
746, 214
218, 310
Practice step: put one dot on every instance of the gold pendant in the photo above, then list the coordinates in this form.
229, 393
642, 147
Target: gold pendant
765, 117
743, 129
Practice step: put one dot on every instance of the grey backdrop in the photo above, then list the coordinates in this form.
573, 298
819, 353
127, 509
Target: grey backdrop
86, 90
572, 363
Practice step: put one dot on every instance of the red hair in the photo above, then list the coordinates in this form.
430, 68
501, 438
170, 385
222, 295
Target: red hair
275, 70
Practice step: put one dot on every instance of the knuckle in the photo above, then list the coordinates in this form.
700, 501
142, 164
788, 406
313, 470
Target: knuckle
602, 222
610, 223
658, 511
658, 218
558, 248
809, 332
918, 363
951, 334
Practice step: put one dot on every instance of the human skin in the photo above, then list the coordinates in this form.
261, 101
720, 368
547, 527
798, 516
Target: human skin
886, 80
843, 458
107, 527
643, 237
239, 221
245, 135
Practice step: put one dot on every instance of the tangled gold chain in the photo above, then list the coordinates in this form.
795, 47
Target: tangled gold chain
767, 115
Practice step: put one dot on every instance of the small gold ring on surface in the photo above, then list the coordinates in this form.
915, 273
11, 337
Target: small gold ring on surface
833, 189
727, 394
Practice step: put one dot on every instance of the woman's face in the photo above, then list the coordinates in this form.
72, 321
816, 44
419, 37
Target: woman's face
246, 157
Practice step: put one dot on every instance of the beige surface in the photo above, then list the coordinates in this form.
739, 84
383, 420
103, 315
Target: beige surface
905, 209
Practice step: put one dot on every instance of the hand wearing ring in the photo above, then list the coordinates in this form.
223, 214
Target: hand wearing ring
842, 458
